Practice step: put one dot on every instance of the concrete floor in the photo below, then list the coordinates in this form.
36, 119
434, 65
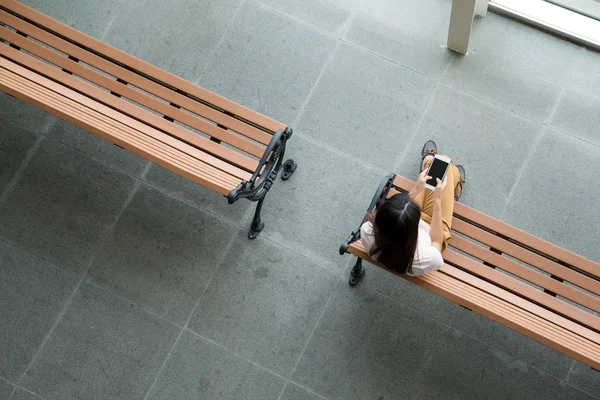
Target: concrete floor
120, 280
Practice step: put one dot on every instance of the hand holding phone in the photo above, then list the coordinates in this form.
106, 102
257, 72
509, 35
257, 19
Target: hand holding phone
437, 170
439, 189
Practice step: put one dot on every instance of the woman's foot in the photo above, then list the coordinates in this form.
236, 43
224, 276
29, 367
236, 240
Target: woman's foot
429, 150
462, 181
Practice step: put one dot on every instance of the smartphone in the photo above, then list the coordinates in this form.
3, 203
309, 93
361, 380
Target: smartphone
437, 170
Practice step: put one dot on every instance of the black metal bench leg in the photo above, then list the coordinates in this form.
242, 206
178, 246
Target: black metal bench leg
358, 271
288, 168
257, 223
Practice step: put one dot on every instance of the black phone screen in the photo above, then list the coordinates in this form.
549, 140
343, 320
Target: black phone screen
437, 170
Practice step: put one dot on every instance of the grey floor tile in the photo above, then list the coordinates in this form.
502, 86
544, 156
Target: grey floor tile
366, 107
470, 130
463, 368
103, 348
6, 389
179, 36
161, 253
578, 114
203, 197
585, 75
413, 36
32, 294
408, 293
367, 346
27, 115
22, 394
263, 303
333, 16
63, 205
15, 143
585, 378
325, 199
295, 392
268, 62
96, 147
198, 369
90, 16
513, 65
552, 200
512, 342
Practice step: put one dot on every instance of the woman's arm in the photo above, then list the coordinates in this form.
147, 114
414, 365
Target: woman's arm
437, 231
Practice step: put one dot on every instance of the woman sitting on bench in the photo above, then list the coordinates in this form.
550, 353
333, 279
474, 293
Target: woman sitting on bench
409, 231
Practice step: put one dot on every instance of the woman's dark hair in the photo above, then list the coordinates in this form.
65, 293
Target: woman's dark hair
396, 230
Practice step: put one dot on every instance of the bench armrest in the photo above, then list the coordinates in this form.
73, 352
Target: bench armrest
378, 198
266, 171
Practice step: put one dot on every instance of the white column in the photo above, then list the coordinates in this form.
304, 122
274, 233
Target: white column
461, 22
481, 7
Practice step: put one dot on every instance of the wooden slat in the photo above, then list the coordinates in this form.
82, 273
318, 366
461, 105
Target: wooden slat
358, 250
523, 317
516, 234
132, 94
535, 277
506, 313
138, 114
124, 120
93, 121
526, 256
135, 79
135, 138
143, 67
515, 286
157, 139
510, 315
521, 303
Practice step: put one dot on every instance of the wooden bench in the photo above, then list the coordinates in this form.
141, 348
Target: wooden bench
559, 312
193, 132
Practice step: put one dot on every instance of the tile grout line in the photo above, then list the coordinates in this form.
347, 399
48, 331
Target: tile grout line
554, 108
130, 302
568, 377
498, 348
10, 186
37, 396
313, 89
530, 154
218, 45
184, 327
107, 29
450, 61
409, 141
333, 294
162, 366
287, 382
213, 274
254, 363
51, 331
341, 39
70, 299
340, 153
344, 28
134, 190
521, 172
308, 390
